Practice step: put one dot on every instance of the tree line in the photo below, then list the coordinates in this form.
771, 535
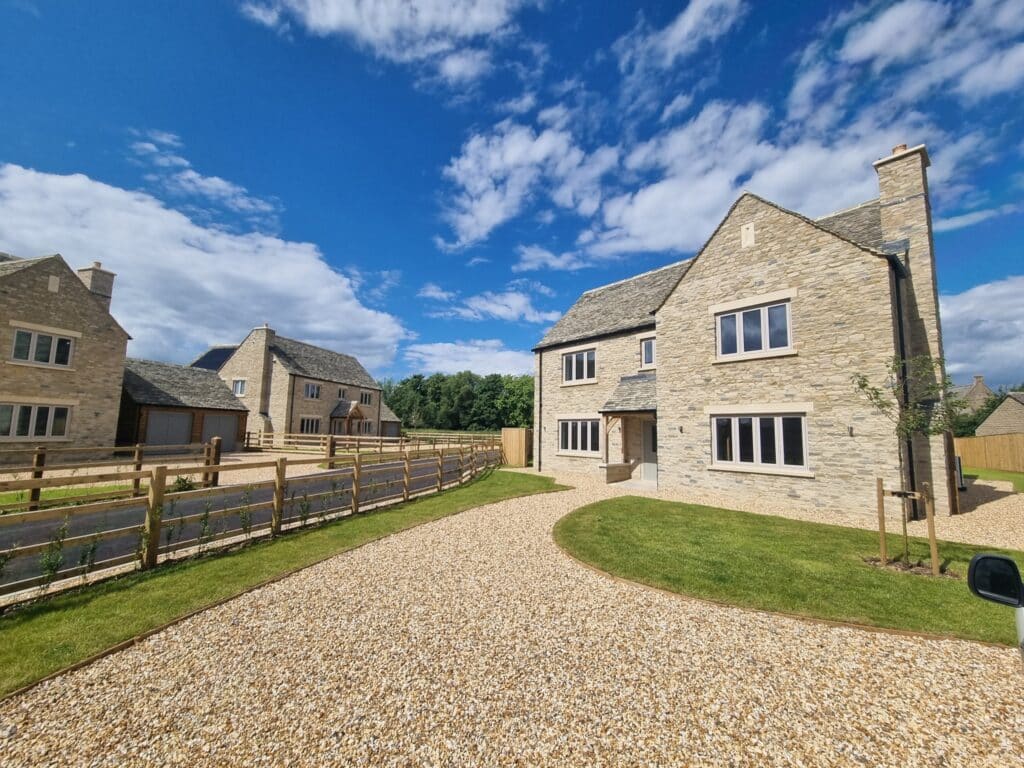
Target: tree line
461, 401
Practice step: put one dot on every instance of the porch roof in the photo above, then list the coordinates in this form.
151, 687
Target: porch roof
632, 394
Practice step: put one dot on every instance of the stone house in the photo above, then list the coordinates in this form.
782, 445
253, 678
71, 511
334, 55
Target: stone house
1007, 419
168, 404
63, 354
731, 372
292, 387
973, 395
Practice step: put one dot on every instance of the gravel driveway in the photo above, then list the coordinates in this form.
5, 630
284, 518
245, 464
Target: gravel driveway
475, 641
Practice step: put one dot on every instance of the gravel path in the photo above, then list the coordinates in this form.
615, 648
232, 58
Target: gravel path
475, 641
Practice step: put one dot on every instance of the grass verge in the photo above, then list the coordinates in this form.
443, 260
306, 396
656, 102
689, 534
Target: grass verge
1017, 478
53, 633
14, 497
775, 564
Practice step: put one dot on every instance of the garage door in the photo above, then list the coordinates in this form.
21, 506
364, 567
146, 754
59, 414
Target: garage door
168, 428
222, 425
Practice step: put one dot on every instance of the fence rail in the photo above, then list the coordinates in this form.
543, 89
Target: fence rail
1005, 452
279, 441
99, 539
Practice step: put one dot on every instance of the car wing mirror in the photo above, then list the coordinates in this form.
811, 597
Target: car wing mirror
996, 578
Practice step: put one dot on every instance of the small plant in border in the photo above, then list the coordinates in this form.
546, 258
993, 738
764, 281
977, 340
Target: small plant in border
52, 557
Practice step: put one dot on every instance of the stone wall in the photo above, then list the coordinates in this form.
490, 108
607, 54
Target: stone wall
617, 356
842, 322
91, 385
251, 361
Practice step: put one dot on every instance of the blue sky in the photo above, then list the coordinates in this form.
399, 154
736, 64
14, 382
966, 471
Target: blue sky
429, 184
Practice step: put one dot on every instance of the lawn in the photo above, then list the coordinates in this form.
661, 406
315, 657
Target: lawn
775, 564
52, 633
1017, 478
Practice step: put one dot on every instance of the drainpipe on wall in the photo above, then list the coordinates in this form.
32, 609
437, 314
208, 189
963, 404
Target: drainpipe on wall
898, 276
539, 426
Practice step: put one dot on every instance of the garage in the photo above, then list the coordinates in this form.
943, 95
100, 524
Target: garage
167, 404
224, 426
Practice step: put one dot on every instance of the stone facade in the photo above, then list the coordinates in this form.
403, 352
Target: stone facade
1007, 419
275, 394
46, 296
846, 281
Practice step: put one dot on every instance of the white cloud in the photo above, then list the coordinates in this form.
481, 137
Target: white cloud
982, 328
533, 257
700, 22
677, 106
482, 356
899, 33
534, 286
1003, 72
232, 196
435, 292
510, 306
374, 285
519, 105
950, 223
441, 33
182, 286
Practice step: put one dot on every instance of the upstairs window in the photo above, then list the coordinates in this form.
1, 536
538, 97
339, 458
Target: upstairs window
312, 391
579, 366
341, 393
755, 330
647, 358
238, 387
366, 398
42, 348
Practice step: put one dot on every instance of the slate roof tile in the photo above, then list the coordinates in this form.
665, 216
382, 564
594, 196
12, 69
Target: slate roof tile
149, 382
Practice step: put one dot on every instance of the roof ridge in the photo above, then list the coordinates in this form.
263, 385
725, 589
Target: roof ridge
314, 346
635, 277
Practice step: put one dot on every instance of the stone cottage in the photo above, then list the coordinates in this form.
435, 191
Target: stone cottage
63, 355
1007, 419
731, 372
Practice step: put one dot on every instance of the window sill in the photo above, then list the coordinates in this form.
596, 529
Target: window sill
581, 383
790, 352
762, 470
579, 454
46, 366
34, 440
647, 368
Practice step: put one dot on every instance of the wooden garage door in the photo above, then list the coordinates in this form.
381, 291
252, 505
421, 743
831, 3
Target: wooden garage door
168, 428
222, 425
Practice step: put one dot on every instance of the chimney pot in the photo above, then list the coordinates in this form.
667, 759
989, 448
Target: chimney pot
899, 148
979, 379
97, 265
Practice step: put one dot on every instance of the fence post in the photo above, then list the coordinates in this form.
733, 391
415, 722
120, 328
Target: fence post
137, 466
38, 462
154, 510
440, 469
332, 449
205, 476
405, 477
929, 511
462, 464
356, 473
277, 514
215, 460
882, 544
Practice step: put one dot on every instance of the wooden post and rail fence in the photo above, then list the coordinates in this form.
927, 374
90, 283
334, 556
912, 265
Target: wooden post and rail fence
358, 483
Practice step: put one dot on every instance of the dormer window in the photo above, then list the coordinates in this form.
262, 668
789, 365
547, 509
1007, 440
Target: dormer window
579, 366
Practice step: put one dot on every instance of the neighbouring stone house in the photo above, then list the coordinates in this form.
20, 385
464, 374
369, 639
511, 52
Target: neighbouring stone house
973, 395
731, 372
292, 387
1007, 419
63, 354
165, 404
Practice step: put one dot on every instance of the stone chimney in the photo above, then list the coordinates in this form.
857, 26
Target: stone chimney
100, 281
979, 379
262, 338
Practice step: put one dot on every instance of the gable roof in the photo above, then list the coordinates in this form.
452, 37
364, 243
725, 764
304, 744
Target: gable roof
1018, 396
10, 264
623, 306
386, 414
861, 224
214, 358
149, 382
317, 363
633, 393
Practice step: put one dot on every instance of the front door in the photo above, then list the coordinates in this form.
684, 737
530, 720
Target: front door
649, 464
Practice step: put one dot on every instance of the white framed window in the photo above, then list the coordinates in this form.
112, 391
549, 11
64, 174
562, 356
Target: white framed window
582, 436
341, 393
366, 398
21, 421
42, 348
759, 441
579, 366
312, 391
238, 387
648, 357
366, 427
309, 425
754, 331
